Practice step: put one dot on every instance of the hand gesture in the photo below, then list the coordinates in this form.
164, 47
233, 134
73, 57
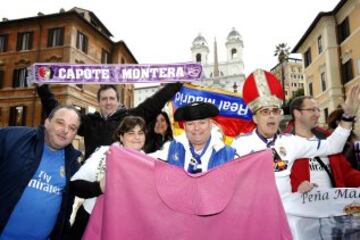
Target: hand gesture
102, 184
352, 101
306, 186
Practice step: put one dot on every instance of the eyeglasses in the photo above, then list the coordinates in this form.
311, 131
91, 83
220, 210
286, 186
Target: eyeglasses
314, 109
268, 111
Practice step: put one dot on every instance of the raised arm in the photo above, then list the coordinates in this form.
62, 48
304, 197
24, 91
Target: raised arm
350, 107
153, 105
300, 147
295, 147
47, 98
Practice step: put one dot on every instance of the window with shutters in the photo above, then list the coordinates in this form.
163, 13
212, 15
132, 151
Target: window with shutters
19, 78
320, 47
55, 37
323, 81
24, 41
343, 30
3, 42
105, 56
82, 42
347, 71
307, 57
310, 89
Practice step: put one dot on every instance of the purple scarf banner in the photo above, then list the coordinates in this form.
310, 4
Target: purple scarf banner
113, 73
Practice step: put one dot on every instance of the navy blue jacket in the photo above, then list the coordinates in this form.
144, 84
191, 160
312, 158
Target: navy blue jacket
20, 154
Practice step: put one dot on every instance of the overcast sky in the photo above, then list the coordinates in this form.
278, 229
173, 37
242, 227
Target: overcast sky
162, 31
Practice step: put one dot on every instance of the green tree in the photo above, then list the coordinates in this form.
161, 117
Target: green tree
282, 51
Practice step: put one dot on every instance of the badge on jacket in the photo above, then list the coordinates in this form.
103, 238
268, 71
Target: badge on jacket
62, 171
279, 164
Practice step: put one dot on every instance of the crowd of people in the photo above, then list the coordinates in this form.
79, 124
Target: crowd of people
41, 171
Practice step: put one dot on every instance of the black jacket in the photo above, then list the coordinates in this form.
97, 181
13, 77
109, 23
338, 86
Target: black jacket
20, 154
96, 130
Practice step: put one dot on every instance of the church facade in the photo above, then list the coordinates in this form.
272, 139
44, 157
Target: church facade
226, 75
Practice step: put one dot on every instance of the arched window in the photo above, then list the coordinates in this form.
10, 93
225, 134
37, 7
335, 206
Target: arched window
198, 57
233, 53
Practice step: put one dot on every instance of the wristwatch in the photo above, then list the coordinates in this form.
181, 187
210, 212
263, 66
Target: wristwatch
347, 118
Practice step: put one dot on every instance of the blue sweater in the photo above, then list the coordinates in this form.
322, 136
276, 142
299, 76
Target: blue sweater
20, 154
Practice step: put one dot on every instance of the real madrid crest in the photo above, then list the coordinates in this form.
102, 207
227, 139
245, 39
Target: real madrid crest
282, 151
176, 157
193, 162
62, 171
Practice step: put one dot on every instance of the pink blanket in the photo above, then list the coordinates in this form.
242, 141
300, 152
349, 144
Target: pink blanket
148, 199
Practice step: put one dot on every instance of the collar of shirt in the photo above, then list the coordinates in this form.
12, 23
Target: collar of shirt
267, 141
107, 116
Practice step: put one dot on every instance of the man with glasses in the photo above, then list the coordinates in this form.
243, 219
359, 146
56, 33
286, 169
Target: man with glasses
263, 93
326, 171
